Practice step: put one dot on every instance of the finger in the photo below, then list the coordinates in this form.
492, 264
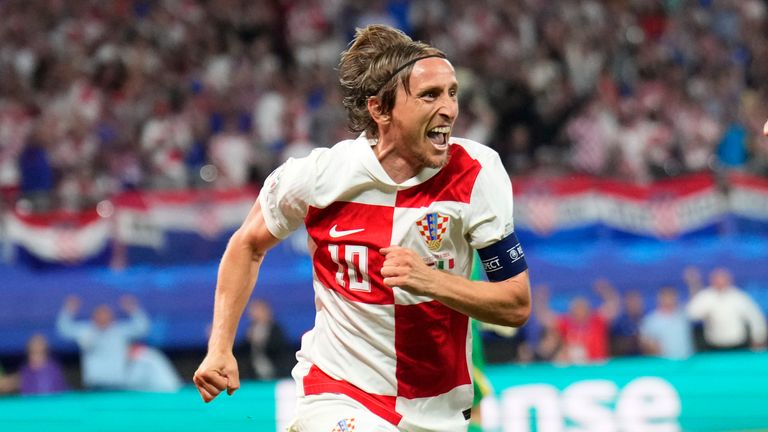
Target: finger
212, 383
394, 259
203, 388
389, 249
393, 282
206, 389
392, 270
215, 378
207, 397
233, 384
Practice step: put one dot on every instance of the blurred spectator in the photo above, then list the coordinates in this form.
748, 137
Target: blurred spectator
270, 350
232, 153
37, 176
666, 331
165, 140
730, 318
625, 329
583, 332
103, 341
41, 374
150, 370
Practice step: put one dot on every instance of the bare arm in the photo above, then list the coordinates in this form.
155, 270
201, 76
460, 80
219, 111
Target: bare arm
611, 306
692, 278
238, 271
505, 303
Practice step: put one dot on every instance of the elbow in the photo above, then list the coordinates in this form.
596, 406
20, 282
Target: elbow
515, 314
519, 315
521, 305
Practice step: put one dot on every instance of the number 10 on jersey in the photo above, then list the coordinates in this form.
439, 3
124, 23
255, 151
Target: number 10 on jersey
352, 260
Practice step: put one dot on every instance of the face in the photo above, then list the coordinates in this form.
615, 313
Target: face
580, 309
102, 316
720, 279
37, 350
260, 312
422, 120
667, 299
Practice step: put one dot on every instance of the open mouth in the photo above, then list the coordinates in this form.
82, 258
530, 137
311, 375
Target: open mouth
438, 136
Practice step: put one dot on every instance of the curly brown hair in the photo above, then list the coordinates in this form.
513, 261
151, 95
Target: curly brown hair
368, 68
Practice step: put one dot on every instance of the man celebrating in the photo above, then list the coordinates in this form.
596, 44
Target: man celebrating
393, 218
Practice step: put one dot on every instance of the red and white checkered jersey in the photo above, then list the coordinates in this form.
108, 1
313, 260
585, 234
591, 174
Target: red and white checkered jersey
405, 357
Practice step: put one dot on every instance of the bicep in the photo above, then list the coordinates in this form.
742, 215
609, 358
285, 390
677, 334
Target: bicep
254, 232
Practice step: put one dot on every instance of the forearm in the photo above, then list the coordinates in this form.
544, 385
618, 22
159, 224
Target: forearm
139, 323
505, 303
65, 325
238, 272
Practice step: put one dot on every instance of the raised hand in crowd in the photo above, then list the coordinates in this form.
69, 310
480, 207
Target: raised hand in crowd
72, 304
129, 304
692, 278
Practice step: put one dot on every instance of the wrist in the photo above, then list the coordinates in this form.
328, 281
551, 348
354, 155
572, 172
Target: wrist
219, 349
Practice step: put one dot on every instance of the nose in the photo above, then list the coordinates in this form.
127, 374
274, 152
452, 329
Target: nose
449, 107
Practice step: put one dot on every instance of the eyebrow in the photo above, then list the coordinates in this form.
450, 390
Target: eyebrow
431, 88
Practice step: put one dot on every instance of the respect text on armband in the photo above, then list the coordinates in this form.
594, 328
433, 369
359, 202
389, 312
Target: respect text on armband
503, 259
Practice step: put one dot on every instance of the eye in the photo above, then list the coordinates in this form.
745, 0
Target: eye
430, 94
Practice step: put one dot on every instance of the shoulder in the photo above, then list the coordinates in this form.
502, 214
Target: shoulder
485, 159
322, 157
475, 150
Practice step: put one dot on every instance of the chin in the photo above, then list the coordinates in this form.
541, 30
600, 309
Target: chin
437, 161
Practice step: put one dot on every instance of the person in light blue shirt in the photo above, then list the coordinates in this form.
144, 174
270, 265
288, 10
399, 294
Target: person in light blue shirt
666, 332
104, 342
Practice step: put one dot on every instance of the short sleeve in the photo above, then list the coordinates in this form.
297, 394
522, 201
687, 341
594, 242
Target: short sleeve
491, 208
284, 199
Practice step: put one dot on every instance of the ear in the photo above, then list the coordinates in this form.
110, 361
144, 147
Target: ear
374, 108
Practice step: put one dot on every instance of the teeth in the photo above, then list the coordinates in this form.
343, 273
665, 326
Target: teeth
441, 129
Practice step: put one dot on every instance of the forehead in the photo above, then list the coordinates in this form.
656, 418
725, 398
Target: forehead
431, 72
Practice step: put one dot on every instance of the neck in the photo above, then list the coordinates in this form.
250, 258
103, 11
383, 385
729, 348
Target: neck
398, 167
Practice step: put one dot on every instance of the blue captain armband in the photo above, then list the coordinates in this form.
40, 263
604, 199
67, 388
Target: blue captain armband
503, 259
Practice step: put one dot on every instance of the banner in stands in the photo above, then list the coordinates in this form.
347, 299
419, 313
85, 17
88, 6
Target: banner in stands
193, 226
664, 209
135, 228
748, 197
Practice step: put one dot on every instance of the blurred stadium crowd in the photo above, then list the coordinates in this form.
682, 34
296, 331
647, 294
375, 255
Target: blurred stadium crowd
101, 97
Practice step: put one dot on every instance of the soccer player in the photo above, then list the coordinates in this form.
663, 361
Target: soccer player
393, 219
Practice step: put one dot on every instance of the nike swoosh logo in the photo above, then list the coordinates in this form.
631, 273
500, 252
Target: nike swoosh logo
336, 234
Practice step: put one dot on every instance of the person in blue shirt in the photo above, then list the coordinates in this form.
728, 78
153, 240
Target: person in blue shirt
666, 332
104, 341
